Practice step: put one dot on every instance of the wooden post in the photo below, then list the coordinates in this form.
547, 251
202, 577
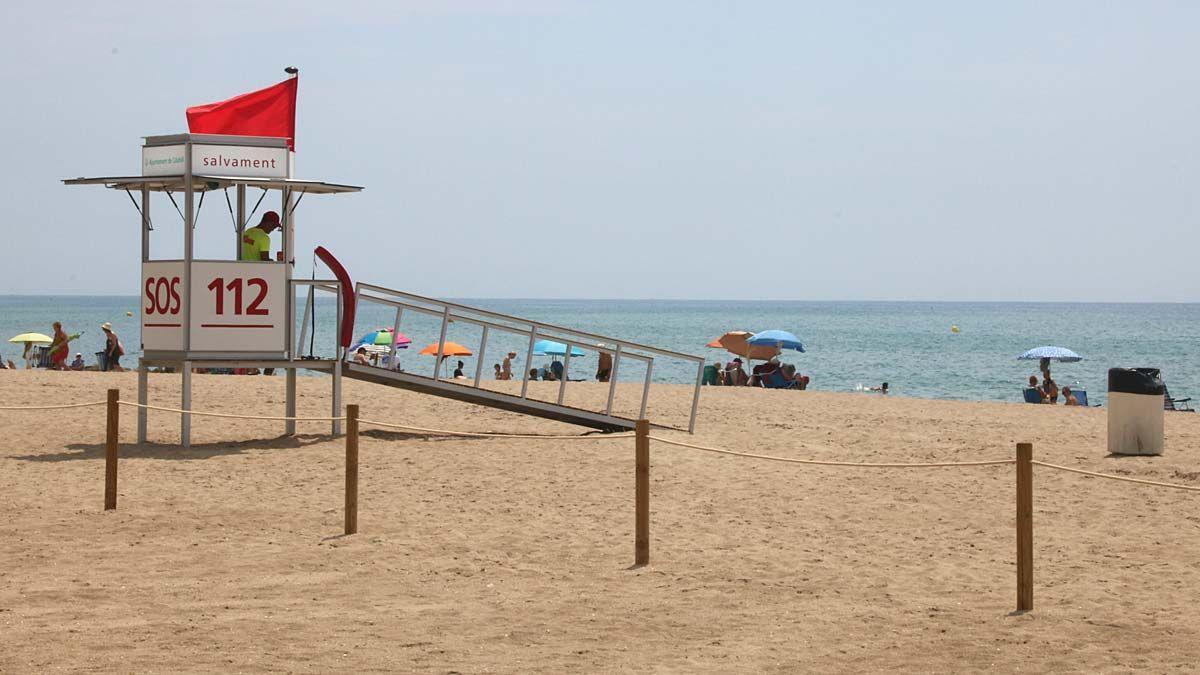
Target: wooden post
1024, 526
110, 449
351, 469
641, 543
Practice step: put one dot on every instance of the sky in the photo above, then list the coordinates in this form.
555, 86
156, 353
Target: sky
1021, 151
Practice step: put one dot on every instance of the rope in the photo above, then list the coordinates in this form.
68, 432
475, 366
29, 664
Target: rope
53, 407
1176, 486
239, 417
869, 465
480, 434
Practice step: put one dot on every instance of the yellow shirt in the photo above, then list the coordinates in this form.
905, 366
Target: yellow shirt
255, 242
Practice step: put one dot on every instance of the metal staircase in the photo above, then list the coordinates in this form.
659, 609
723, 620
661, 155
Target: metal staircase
493, 323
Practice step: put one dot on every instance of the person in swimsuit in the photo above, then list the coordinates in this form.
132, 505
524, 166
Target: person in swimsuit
59, 350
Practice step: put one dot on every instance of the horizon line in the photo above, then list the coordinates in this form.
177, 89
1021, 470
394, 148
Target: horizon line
678, 299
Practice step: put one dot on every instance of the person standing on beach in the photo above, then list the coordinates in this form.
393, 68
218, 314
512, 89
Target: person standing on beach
506, 369
113, 351
256, 241
59, 350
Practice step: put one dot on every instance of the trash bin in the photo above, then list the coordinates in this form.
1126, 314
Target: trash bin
1135, 411
102, 360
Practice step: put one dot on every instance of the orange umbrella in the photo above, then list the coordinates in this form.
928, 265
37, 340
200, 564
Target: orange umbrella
452, 349
735, 342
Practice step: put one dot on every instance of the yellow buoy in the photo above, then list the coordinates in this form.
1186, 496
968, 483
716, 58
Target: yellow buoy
954, 328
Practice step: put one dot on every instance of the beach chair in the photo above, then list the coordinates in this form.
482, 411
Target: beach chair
776, 380
1032, 395
1175, 404
710, 375
1081, 396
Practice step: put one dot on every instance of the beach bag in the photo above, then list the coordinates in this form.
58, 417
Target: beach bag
120, 349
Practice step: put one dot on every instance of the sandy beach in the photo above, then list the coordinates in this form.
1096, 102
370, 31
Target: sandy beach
507, 555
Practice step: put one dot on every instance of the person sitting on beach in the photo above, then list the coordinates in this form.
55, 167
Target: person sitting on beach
735, 375
499, 373
1068, 397
881, 389
533, 372
1033, 384
604, 370
763, 371
556, 368
361, 358
77, 364
458, 372
506, 370
790, 374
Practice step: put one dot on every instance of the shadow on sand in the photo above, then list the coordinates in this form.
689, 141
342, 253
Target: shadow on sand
91, 451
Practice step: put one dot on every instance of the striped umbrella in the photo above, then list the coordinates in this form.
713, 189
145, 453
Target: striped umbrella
383, 336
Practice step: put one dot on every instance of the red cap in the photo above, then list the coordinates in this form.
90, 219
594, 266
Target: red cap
269, 217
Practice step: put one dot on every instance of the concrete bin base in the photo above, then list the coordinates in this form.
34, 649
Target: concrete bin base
1135, 424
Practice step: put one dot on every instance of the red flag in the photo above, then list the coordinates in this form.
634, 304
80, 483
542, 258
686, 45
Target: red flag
266, 112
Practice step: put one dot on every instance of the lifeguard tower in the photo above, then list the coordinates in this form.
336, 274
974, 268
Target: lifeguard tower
227, 313
232, 313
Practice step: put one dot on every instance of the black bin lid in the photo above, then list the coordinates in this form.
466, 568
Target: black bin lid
1136, 381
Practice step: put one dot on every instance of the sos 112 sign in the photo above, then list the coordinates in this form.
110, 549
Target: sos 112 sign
236, 307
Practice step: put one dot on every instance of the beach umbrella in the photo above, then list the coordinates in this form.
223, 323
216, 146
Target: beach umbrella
372, 349
35, 338
780, 339
736, 342
383, 336
552, 348
1060, 354
452, 349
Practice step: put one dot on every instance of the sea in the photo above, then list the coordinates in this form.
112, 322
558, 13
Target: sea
848, 345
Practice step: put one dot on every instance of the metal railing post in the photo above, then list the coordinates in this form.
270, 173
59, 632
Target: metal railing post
437, 366
646, 389
612, 380
395, 339
528, 361
479, 358
562, 385
304, 322
696, 397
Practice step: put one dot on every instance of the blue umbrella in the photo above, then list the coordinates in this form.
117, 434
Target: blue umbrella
1061, 354
776, 338
552, 348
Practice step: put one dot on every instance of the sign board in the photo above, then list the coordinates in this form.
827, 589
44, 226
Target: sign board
239, 307
237, 161
162, 306
162, 160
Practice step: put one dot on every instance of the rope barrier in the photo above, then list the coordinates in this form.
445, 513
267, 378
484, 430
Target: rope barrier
53, 407
869, 465
232, 416
482, 434
1082, 472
